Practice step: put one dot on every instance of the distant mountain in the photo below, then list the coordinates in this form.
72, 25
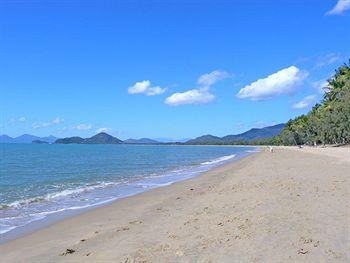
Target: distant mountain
100, 138
248, 136
205, 139
140, 141
26, 138
6, 139
70, 140
255, 134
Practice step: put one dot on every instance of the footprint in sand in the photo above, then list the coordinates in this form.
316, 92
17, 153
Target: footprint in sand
123, 228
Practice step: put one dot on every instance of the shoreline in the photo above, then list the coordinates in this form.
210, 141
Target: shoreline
282, 207
56, 217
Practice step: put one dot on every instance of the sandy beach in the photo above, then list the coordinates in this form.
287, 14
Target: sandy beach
288, 206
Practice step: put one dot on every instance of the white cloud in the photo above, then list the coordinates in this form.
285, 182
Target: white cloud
200, 95
103, 130
194, 96
305, 102
339, 8
326, 60
155, 91
22, 119
284, 81
145, 87
209, 79
54, 122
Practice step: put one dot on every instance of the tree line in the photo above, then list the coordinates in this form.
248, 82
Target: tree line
328, 122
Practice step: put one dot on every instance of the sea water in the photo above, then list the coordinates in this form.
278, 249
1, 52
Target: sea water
38, 180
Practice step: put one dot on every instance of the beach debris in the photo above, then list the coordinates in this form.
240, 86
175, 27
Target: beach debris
68, 251
301, 251
191, 189
136, 221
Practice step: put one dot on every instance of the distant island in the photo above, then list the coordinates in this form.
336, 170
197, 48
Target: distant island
249, 137
100, 138
39, 142
104, 138
253, 136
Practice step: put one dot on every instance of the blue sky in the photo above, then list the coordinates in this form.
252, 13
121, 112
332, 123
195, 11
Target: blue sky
174, 69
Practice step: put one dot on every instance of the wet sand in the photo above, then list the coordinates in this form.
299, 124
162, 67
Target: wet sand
288, 206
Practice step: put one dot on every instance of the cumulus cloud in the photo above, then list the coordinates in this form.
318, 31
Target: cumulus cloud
200, 95
305, 102
103, 130
339, 8
284, 81
22, 119
194, 96
145, 87
54, 122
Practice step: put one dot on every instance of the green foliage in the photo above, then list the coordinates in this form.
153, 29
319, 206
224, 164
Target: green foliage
329, 121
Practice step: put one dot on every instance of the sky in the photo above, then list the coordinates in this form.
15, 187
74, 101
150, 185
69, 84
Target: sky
165, 69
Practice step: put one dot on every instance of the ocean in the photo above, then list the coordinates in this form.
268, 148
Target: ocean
38, 180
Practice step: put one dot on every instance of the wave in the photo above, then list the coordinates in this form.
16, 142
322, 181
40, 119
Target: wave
57, 202
153, 185
219, 160
252, 151
57, 195
88, 188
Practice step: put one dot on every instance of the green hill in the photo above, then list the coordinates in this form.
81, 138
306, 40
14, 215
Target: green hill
244, 138
70, 140
100, 138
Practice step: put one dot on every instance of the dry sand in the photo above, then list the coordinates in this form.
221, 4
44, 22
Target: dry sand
288, 206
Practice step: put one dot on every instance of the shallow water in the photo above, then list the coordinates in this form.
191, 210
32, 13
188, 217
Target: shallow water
40, 180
